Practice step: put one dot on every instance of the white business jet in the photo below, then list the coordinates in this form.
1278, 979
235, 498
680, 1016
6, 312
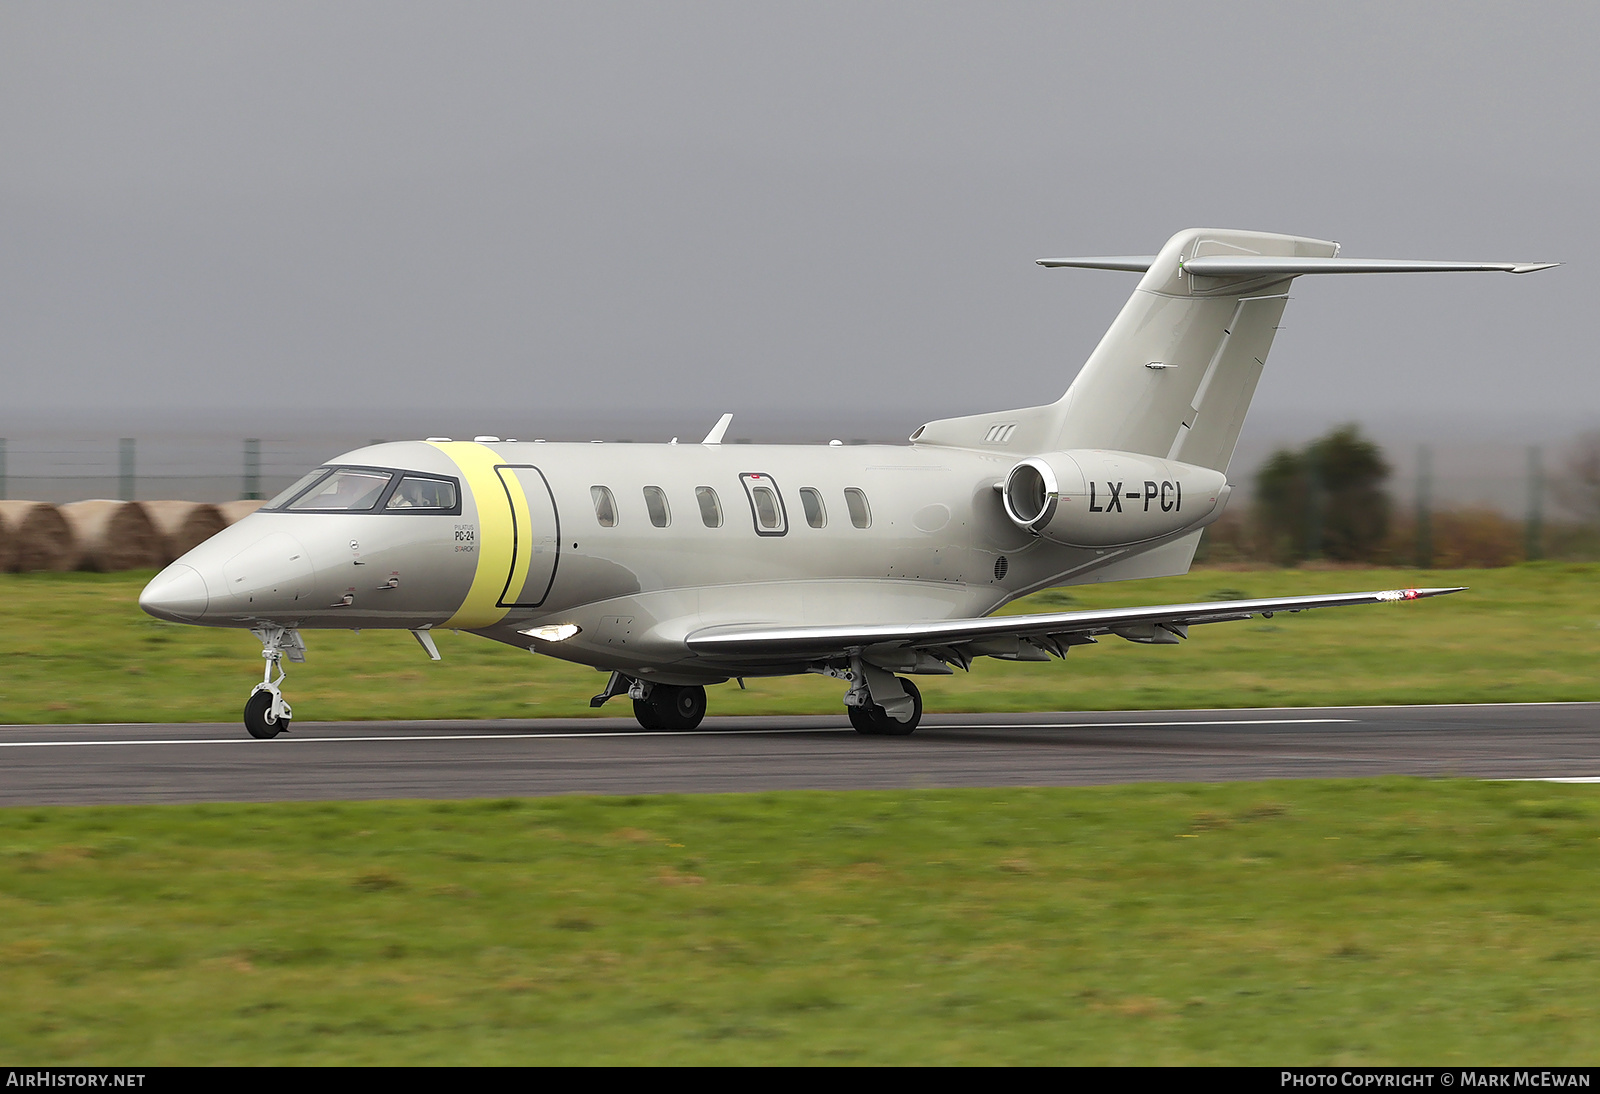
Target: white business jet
676, 566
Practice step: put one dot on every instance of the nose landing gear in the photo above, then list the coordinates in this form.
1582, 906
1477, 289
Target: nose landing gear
266, 713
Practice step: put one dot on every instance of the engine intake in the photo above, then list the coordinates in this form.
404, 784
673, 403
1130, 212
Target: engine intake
1094, 498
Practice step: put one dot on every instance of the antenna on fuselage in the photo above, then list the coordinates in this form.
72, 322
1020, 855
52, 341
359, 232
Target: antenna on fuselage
715, 436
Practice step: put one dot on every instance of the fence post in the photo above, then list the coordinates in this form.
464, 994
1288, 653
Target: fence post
1535, 532
252, 469
125, 476
1424, 559
3, 493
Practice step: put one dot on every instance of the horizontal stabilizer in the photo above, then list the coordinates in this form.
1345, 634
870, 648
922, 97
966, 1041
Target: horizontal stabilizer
1264, 265
779, 640
1126, 263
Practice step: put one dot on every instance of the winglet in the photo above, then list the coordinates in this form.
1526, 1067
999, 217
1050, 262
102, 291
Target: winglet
715, 436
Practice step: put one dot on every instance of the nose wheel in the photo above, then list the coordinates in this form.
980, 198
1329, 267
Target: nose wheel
260, 719
266, 712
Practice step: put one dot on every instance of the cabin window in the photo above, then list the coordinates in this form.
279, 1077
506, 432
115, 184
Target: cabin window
766, 506
811, 498
419, 493
346, 491
860, 513
605, 506
710, 507
655, 502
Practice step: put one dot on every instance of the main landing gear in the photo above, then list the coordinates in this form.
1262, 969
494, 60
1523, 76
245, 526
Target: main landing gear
875, 721
673, 707
266, 713
880, 703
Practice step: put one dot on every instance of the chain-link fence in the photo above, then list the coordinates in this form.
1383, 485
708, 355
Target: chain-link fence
151, 469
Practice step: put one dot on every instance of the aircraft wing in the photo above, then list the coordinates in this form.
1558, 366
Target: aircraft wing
1016, 637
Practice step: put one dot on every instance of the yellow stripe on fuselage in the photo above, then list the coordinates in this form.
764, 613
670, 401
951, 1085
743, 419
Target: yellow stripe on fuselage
495, 533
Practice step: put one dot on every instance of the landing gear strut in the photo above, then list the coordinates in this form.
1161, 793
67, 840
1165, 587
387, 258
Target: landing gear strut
266, 713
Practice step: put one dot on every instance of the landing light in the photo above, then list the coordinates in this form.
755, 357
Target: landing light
555, 632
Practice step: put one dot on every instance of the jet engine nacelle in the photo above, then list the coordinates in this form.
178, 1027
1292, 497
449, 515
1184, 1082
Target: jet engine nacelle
1093, 498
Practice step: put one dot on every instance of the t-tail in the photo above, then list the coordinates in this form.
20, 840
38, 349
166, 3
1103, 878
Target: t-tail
1174, 376
1164, 395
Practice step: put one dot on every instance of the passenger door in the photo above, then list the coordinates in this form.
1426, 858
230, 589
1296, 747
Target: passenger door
536, 536
766, 504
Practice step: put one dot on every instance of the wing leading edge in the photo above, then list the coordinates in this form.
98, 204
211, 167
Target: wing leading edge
1016, 637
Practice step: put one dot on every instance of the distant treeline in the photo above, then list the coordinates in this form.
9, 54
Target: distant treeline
1329, 502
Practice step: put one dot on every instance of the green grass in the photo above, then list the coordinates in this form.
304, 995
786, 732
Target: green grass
76, 648
1338, 922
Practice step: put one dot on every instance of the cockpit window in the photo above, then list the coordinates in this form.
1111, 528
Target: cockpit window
419, 493
300, 484
345, 491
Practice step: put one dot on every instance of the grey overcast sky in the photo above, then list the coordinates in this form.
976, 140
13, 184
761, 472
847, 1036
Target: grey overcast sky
516, 214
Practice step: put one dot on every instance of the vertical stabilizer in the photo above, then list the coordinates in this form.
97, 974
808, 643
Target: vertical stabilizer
1174, 375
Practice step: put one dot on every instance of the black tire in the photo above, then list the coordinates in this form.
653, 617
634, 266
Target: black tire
645, 712
874, 721
862, 718
678, 709
258, 718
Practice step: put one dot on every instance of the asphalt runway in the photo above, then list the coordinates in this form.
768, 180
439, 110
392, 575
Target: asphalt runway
83, 764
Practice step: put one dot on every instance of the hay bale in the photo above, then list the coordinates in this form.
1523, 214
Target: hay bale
112, 535
235, 511
183, 525
41, 537
8, 547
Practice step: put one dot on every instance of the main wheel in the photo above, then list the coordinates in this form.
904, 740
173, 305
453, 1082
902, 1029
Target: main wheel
258, 717
874, 721
862, 718
645, 712
678, 708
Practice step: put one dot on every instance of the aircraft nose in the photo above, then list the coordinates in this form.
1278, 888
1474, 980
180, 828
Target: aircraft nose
177, 593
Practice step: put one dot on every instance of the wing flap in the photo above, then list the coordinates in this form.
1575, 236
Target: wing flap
1155, 623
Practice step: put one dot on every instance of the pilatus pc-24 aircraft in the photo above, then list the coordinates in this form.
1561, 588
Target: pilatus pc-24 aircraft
675, 566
